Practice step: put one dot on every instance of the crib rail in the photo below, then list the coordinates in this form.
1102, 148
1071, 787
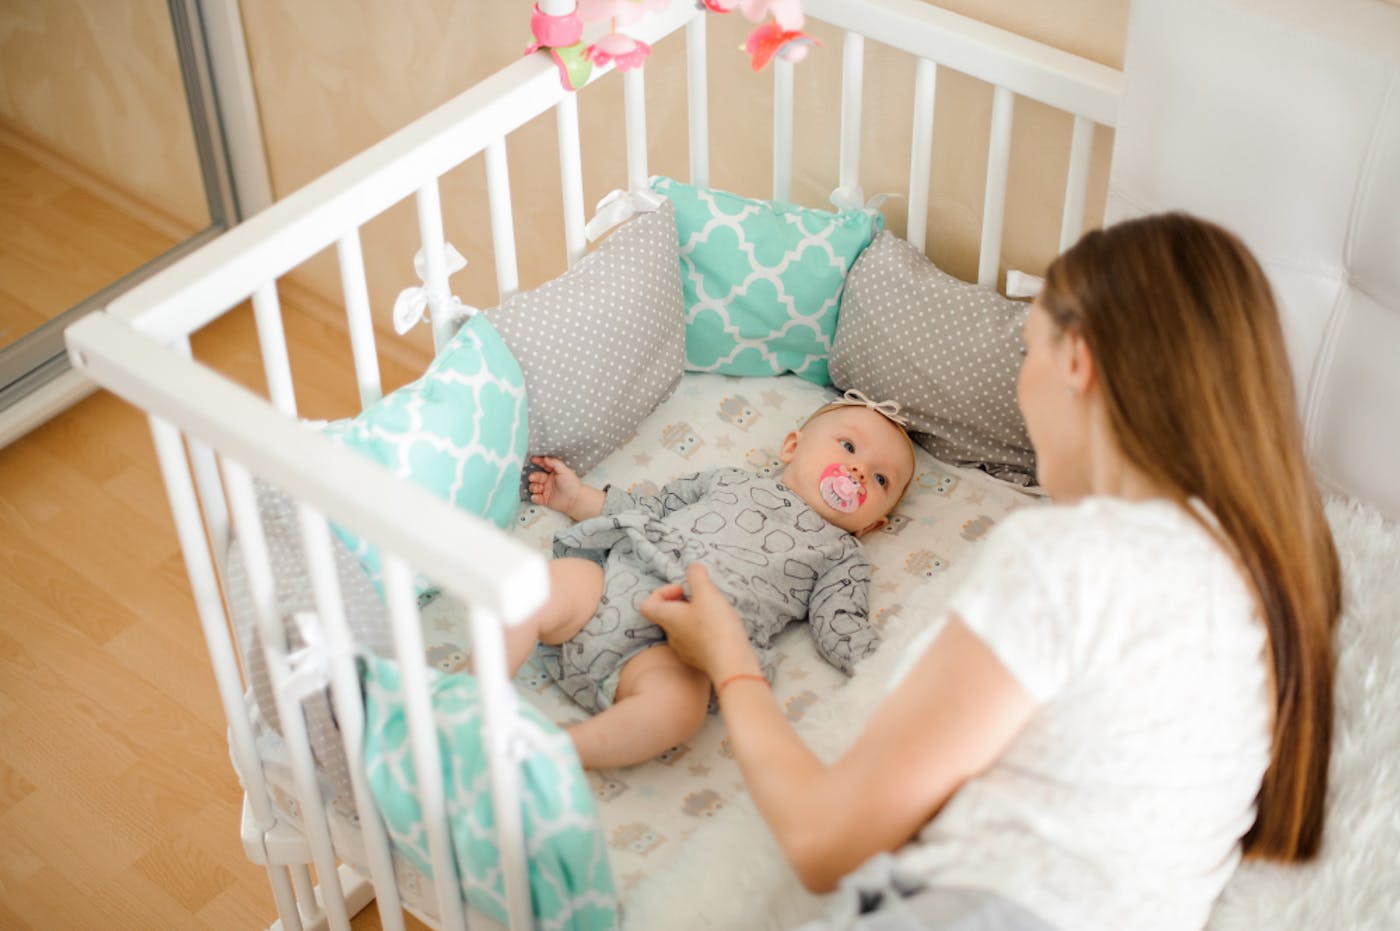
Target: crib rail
213, 437
443, 543
501, 580
1023, 66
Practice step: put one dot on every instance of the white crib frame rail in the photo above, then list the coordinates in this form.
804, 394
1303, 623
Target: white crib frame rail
212, 436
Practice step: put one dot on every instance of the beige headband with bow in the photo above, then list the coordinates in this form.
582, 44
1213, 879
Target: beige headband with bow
889, 409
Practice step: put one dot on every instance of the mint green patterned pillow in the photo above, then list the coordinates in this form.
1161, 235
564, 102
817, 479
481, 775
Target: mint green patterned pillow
762, 279
459, 431
571, 883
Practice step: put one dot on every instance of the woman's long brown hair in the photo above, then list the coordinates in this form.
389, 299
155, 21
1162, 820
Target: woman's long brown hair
1182, 326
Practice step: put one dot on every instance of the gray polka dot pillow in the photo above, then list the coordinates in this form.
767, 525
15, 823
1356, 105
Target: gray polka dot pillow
947, 351
603, 344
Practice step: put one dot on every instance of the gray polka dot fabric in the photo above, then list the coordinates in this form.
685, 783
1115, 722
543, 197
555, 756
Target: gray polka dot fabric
603, 344
949, 352
364, 613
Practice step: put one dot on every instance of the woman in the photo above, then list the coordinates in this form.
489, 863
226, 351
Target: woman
1133, 688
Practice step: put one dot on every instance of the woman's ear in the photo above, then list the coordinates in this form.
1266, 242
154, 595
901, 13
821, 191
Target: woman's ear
789, 446
1079, 369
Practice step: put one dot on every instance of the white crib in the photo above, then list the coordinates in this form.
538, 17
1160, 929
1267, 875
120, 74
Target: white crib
213, 436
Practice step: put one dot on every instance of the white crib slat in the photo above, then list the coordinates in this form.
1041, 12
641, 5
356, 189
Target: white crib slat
272, 340
422, 734
289, 915
994, 202
921, 152
635, 103
498, 715
852, 81
502, 219
243, 501
571, 177
349, 712
211, 498
1077, 182
429, 201
206, 476
782, 130
305, 889
357, 316
697, 100
208, 602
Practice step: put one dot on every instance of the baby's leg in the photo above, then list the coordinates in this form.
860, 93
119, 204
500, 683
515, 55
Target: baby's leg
660, 702
575, 588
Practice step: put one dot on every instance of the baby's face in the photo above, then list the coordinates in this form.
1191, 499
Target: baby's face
851, 465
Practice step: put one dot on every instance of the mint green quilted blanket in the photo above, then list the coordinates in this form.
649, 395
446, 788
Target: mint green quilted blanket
571, 884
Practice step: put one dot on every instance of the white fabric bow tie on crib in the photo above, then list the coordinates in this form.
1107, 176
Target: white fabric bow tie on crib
413, 303
853, 198
308, 668
620, 205
1021, 284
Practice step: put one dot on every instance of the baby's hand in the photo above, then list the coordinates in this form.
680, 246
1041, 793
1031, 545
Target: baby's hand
556, 487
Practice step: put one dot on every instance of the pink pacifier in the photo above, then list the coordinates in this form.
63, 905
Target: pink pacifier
840, 490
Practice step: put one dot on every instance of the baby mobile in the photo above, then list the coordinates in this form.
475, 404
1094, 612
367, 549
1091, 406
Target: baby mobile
558, 29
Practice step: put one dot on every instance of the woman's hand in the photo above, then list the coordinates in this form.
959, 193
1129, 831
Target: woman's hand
704, 630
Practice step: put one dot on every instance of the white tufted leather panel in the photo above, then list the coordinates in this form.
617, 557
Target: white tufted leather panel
1280, 119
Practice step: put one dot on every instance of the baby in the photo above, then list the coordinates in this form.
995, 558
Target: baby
780, 549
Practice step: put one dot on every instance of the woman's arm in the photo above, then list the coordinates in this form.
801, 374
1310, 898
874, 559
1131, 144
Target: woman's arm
951, 716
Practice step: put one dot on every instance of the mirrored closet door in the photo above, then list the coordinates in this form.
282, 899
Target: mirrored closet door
113, 163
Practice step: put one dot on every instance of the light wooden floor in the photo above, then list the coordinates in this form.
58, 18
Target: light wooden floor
118, 806
59, 244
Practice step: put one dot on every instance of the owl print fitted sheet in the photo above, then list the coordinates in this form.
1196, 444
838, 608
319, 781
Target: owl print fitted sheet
713, 421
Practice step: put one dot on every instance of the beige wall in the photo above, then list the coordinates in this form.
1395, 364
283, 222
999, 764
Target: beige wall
98, 83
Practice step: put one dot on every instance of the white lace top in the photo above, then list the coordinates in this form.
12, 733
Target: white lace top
1121, 803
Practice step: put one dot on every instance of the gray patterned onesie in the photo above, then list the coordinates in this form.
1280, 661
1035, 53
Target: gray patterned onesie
775, 559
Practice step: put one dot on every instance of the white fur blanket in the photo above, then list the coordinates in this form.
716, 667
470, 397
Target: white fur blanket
732, 875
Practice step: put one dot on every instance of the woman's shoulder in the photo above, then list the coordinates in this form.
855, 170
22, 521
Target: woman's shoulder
1105, 520
1085, 538
1064, 588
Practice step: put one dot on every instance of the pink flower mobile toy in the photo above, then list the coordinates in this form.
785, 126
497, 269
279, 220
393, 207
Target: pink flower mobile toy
557, 26
558, 30
782, 38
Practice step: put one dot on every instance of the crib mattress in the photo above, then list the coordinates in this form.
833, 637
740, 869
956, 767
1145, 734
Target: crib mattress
649, 811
